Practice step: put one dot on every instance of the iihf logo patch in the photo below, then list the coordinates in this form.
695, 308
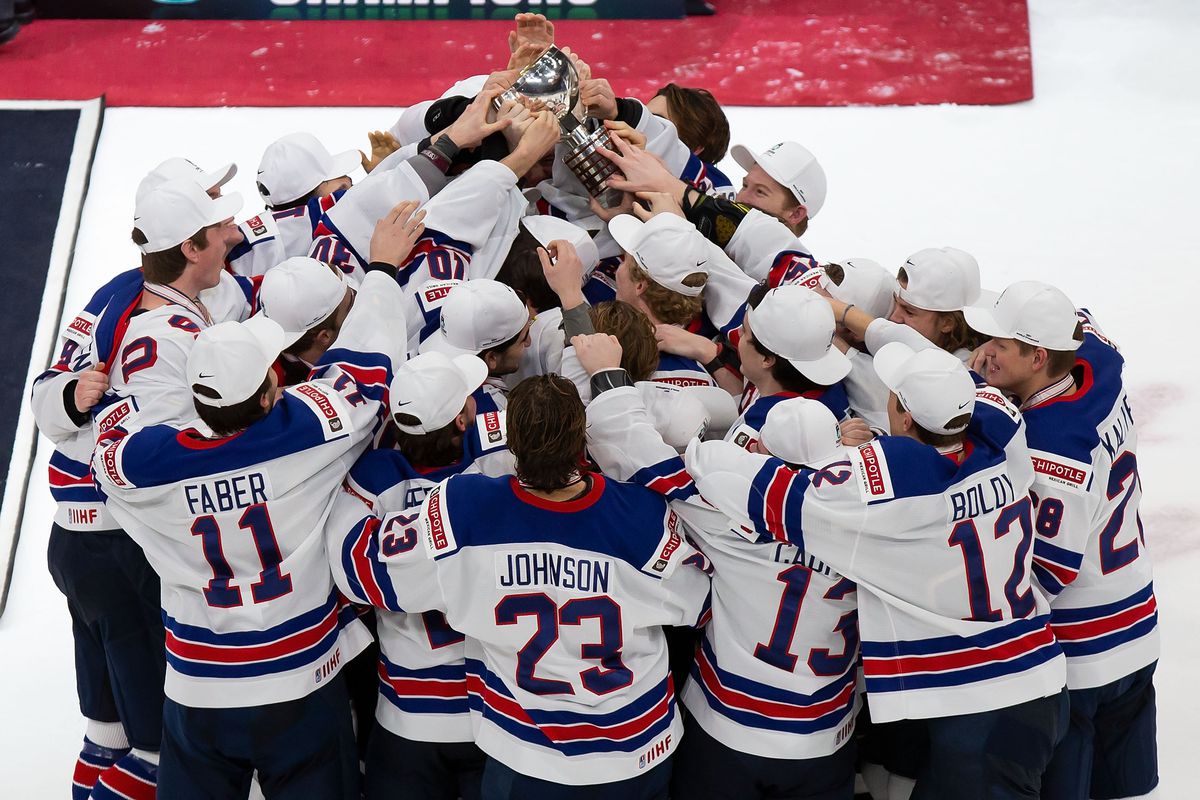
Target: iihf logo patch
741, 439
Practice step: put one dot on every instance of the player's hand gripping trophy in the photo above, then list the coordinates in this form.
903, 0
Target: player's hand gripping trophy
553, 80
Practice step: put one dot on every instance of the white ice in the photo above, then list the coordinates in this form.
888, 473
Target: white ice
1092, 185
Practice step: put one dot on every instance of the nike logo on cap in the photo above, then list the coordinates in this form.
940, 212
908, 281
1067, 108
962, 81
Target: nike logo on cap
961, 406
202, 375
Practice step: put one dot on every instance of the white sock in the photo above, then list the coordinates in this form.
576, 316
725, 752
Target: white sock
107, 734
149, 756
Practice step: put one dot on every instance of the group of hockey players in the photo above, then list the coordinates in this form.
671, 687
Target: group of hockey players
453, 482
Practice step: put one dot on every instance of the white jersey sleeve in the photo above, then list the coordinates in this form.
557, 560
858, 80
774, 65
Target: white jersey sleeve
234, 526
894, 509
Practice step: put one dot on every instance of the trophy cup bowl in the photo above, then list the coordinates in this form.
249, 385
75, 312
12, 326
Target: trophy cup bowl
553, 81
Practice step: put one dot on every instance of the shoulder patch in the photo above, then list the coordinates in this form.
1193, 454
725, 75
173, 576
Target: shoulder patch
328, 406
257, 228
662, 563
115, 415
870, 467
439, 535
743, 436
80, 329
1060, 471
433, 294
493, 432
108, 461
993, 398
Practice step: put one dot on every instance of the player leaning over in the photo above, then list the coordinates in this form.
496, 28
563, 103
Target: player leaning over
1090, 553
772, 695
423, 747
562, 580
229, 511
934, 524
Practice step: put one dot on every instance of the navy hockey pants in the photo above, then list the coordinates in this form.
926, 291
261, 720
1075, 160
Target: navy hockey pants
116, 620
993, 755
302, 749
1111, 747
404, 769
502, 783
706, 769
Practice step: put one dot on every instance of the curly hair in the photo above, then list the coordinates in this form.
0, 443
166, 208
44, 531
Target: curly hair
546, 431
669, 306
633, 329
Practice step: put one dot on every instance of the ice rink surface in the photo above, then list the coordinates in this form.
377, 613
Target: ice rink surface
1092, 186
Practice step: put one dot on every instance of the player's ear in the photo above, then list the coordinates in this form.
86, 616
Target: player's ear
1040, 357
797, 215
492, 359
462, 421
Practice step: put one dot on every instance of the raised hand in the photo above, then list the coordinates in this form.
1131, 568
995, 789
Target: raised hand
396, 233
599, 99
472, 126
660, 203
642, 171
563, 271
597, 351
383, 144
532, 30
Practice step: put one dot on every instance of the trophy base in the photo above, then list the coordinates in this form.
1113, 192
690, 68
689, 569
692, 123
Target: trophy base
591, 167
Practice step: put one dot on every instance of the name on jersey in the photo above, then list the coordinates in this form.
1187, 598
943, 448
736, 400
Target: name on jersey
982, 498
790, 554
565, 571
225, 494
1113, 439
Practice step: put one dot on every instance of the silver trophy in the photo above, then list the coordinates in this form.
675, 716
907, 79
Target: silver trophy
553, 80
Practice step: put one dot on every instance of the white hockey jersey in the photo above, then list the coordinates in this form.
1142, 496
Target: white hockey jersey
378, 560
1090, 552
272, 237
941, 552
563, 605
146, 352
79, 506
776, 672
234, 525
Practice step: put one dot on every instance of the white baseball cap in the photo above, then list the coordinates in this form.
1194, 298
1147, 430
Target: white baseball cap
546, 229
932, 385
476, 315
300, 293
232, 359
941, 279
667, 248
182, 168
1029, 311
294, 165
433, 387
792, 166
802, 431
796, 323
177, 210
867, 285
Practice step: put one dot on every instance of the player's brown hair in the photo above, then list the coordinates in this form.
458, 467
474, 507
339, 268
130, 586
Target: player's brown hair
522, 270
1058, 362
937, 439
235, 418
960, 335
669, 306
785, 374
698, 117
546, 431
437, 449
639, 348
166, 266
